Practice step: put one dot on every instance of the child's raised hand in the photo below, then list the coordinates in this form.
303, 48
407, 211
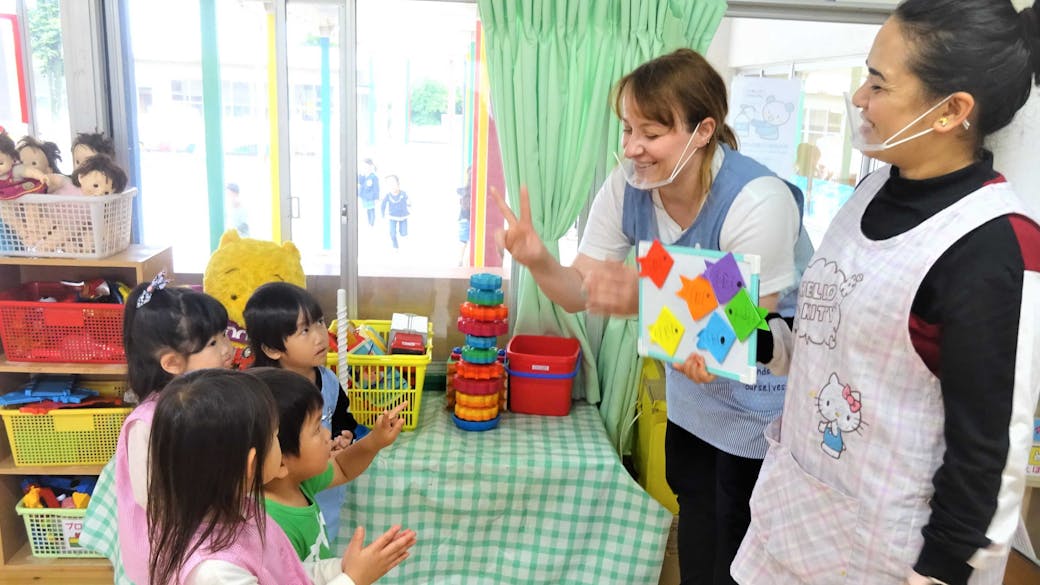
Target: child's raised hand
366, 564
388, 426
341, 442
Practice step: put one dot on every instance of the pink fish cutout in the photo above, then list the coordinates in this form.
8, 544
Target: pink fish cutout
699, 297
656, 264
724, 277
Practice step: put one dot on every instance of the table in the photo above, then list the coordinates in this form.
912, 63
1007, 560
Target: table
539, 500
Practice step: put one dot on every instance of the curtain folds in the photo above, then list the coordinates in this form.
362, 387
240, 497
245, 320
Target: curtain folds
552, 64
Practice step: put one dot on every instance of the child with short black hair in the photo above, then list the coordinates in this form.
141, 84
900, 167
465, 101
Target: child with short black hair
213, 446
287, 330
307, 468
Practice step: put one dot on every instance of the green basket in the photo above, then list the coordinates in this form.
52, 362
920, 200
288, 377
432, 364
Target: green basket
76, 436
54, 532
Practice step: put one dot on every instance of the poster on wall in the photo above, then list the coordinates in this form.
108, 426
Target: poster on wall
765, 113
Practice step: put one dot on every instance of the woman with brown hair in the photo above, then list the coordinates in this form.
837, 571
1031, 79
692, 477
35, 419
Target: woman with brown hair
684, 183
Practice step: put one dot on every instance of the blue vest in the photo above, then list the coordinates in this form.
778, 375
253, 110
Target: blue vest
726, 413
330, 501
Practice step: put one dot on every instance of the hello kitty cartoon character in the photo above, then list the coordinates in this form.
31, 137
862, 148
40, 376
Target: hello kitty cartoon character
842, 412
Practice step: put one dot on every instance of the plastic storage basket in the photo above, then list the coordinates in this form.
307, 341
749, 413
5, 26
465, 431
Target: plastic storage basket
32, 331
66, 226
379, 382
75, 436
54, 532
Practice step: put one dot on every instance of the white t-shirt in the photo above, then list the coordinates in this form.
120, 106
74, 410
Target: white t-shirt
213, 572
762, 220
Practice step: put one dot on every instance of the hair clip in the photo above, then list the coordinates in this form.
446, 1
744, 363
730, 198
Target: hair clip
158, 283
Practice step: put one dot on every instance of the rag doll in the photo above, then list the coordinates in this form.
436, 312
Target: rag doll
87, 144
40, 161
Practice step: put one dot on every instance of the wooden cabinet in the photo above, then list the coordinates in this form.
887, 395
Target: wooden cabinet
17, 565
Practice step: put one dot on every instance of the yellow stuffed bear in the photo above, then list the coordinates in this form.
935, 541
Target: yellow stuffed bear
237, 267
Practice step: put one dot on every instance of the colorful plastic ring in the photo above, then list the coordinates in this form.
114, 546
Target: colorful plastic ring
466, 425
481, 341
471, 401
484, 313
480, 328
490, 371
476, 355
484, 297
474, 414
485, 281
477, 387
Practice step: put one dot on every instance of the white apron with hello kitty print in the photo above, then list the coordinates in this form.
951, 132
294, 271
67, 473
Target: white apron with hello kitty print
843, 493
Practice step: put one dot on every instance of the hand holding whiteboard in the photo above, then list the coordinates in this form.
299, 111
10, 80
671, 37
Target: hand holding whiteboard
693, 300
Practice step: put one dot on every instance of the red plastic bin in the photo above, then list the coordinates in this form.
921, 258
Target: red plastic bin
541, 372
32, 331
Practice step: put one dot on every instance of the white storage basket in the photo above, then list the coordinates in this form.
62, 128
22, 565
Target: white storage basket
66, 226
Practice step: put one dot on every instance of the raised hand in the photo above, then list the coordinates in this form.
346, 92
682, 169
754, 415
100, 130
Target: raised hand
341, 442
611, 288
366, 564
519, 237
388, 426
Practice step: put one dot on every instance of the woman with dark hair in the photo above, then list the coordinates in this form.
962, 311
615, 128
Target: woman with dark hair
913, 359
683, 182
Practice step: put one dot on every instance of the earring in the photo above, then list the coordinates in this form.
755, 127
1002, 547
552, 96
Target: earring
943, 122
966, 124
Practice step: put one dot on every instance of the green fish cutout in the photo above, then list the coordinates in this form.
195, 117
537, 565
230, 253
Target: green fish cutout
744, 316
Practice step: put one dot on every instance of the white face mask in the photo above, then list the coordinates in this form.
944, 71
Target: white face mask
859, 140
634, 178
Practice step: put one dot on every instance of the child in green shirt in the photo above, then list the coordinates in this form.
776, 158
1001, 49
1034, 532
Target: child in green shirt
310, 466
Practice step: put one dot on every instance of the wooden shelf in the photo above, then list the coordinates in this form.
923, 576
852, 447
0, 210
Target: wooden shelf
7, 467
132, 257
17, 565
1033, 481
115, 370
22, 567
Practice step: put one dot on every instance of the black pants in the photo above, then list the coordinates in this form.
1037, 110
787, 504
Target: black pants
714, 488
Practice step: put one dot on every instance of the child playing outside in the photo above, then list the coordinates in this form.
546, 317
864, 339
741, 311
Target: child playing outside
307, 469
287, 330
213, 445
167, 331
397, 201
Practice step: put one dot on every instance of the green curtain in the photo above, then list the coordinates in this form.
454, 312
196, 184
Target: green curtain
552, 64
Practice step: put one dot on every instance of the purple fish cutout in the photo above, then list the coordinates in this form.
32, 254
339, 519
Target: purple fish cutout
717, 338
724, 277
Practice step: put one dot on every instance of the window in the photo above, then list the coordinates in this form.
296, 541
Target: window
187, 92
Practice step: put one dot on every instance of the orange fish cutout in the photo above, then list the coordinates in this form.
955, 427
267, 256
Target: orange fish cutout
699, 296
656, 264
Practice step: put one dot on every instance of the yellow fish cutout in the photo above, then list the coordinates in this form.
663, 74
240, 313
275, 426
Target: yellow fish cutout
699, 296
667, 331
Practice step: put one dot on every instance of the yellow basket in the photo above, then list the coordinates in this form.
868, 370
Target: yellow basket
379, 382
76, 436
54, 532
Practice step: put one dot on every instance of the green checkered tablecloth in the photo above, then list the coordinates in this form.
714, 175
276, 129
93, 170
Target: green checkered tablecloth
539, 500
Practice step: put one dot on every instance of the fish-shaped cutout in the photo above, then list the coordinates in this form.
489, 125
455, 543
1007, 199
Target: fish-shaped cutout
656, 264
699, 297
717, 338
724, 277
667, 331
744, 316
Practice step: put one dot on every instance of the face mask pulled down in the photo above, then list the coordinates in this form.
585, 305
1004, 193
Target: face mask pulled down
637, 179
862, 144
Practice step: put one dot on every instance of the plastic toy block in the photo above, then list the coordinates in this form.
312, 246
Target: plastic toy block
485, 281
476, 355
484, 297
479, 328
81, 500
484, 313
481, 342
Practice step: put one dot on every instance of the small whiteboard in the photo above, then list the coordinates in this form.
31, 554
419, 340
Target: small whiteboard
676, 269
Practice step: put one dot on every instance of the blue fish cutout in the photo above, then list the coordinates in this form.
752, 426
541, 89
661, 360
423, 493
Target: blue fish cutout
724, 277
717, 338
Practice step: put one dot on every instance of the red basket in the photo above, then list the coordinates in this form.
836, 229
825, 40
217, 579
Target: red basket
32, 331
541, 373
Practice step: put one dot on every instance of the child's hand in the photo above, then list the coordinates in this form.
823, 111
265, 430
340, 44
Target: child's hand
366, 564
341, 442
388, 426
